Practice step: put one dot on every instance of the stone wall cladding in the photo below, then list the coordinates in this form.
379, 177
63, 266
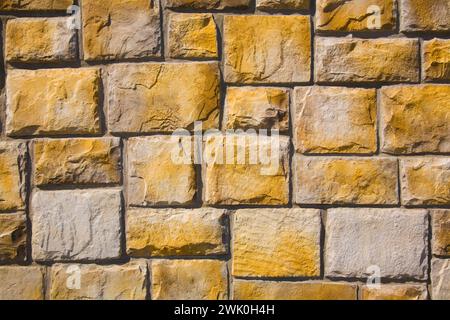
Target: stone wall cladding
359, 91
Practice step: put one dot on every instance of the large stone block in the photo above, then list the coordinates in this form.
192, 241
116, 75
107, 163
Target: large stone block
208, 4
21, 283
419, 15
13, 237
394, 292
440, 226
436, 60
35, 5
440, 279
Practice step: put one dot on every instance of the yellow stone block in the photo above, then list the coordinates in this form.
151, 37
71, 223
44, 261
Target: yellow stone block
419, 15
440, 225
207, 4
282, 4
395, 292
21, 283
13, 237
35, 5
436, 63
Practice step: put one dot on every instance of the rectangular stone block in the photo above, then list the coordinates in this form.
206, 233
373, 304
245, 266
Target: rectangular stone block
395, 292
267, 49
163, 97
189, 280
440, 225
77, 161
436, 60
76, 225
353, 60
207, 4
270, 5
276, 243
176, 232
21, 283
13, 237
53, 102
419, 15
391, 242
35, 5
440, 279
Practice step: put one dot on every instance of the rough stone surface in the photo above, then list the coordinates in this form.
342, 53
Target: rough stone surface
440, 225
257, 108
436, 63
276, 243
394, 240
118, 29
154, 178
267, 49
176, 232
208, 4
192, 36
415, 119
13, 237
361, 181
74, 225
35, 5
440, 279
334, 120
163, 97
352, 60
282, 4
116, 282
77, 161
189, 280
425, 181
21, 283
419, 15
285, 290
53, 102
395, 292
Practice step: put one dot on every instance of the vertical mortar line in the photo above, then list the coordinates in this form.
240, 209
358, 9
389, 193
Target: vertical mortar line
80, 33
323, 217
230, 214
430, 253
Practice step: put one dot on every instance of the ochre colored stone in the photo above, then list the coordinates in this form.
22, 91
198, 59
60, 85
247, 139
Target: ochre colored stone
118, 29
77, 161
257, 108
319, 180
21, 283
13, 237
395, 292
189, 280
53, 102
334, 120
436, 63
267, 49
13, 158
355, 15
282, 4
284, 290
207, 4
276, 243
192, 36
440, 279
176, 232
425, 181
440, 225
420, 15
35, 40
352, 60
415, 119
163, 97
95, 282
35, 5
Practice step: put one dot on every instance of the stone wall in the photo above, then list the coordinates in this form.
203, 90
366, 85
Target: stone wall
93, 207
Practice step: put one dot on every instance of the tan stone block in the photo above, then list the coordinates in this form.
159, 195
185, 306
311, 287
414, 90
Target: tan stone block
208, 4
436, 63
53, 102
414, 119
163, 97
440, 225
282, 4
276, 243
267, 49
440, 279
395, 292
13, 237
21, 283
35, 5
189, 280
176, 232
334, 120
419, 15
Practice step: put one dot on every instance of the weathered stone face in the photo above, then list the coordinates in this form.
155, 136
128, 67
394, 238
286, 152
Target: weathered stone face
13, 237
53, 102
207, 4
21, 283
440, 279
118, 29
188, 280
440, 225
395, 292
282, 4
276, 243
163, 97
419, 15
116, 282
267, 49
176, 232
35, 5
352, 60
436, 63
414, 119
76, 225
394, 240
77, 161
334, 120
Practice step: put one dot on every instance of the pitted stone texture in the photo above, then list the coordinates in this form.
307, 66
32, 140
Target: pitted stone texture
176, 232
257, 108
208, 4
189, 280
282, 4
415, 119
425, 181
13, 162
436, 63
74, 225
115, 282
394, 240
267, 49
334, 120
395, 292
118, 29
362, 181
285, 290
276, 243
352, 60
21, 283
53, 102
33, 40
77, 161
440, 225
355, 15
13, 237
35, 5
440, 279
419, 15
230, 162
163, 97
